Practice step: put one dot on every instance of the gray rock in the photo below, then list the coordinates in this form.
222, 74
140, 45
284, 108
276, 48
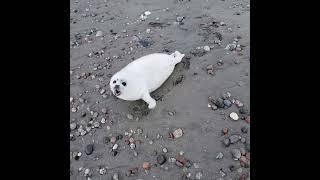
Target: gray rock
236, 154
106, 140
244, 129
89, 149
227, 103
161, 159
234, 138
179, 164
226, 142
219, 155
104, 110
114, 153
226, 95
113, 139
243, 110
243, 140
219, 102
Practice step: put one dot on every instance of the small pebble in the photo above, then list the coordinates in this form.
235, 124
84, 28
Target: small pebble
165, 150
113, 140
226, 142
222, 23
206, 48
225, 131
87, 172
236, 154
114, 153
147, 13
219, 155
227, 103
106, 140
198, 175
135, 153
234, 116
102, 171
172, 160
243, 110
104, 110
115, 146
177, 133
96, 124
89, 149
148, 31
238, 103
131, 140
247, 119
179, 164
99, 33
181, 153
103, 120
132, 146
146, 165
130, 116
243, 151
115, 176
119, 137
219, 102
232, 168
73, 109
161, 159
196, 165
243, 140
234, 138
179, 18
171, 113
244, 129
154, 153
73, 126
95, 114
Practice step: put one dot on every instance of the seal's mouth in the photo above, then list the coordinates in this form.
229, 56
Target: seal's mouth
117, 92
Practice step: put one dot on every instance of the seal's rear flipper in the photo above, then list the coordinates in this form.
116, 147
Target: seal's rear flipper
177, 56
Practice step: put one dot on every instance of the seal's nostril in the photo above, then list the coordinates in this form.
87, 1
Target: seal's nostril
117, 86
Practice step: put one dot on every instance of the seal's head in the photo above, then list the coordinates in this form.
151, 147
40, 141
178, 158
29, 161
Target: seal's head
117, 85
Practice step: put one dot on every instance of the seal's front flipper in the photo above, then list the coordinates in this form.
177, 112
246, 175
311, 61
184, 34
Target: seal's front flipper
148, 99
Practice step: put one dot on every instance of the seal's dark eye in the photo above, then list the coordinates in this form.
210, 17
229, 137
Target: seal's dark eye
124, 83
114, 82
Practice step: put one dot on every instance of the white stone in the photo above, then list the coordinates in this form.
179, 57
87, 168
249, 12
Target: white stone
234, 116
206, 48
115, 146
99, 33
147, 13
177, 133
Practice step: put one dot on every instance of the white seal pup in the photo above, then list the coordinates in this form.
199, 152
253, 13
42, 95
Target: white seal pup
144, 75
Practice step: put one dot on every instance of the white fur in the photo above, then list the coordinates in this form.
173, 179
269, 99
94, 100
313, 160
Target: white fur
144, 75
